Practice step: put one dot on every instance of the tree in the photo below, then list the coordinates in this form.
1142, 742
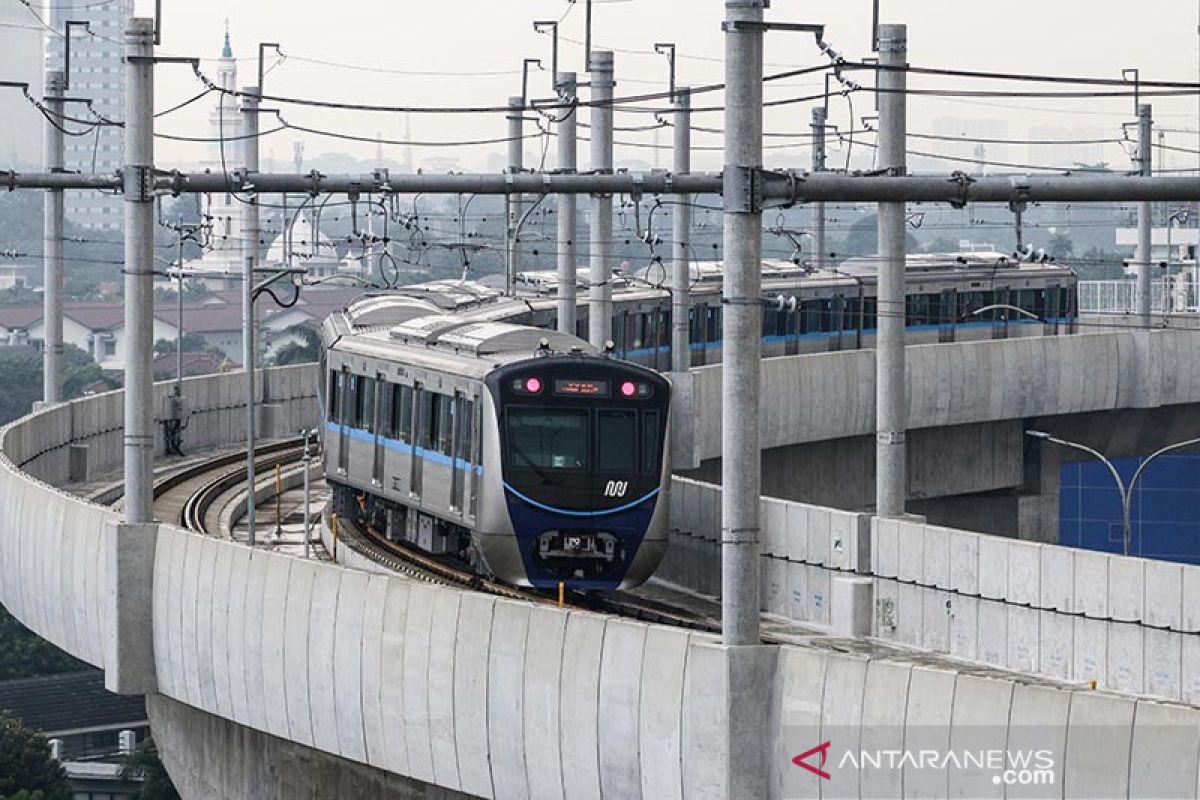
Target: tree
942, 244
1060, 246
24, 655
307, 350
26, 768
21, 377
863, 238
192, 343
145, 764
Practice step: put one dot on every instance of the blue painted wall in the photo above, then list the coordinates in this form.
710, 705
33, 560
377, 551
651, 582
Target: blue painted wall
1165, 512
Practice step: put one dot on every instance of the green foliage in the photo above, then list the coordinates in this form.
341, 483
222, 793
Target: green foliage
144, 763
26, 769
303, 352
19, 296
21, 377
1060, 246
863, 238
942, 244
192, 343
24, 655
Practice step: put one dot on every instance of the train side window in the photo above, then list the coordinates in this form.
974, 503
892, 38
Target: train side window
868, 313
334, 388
713, 332
616, 440
650, 441
444, 407
365, 409
350, 400
402, 403
696, 324
421, 417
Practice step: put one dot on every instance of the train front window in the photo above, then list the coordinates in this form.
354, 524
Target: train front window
616, 440
547, 438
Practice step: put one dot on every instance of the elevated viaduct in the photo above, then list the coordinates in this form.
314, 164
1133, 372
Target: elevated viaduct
269, 675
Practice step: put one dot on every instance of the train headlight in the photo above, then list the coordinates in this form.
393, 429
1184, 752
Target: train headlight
628, 389
533, 384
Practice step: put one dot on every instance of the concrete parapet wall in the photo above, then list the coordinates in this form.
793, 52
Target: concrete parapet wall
39, 444
810, 398
1130, 624
1094, 745
53, 571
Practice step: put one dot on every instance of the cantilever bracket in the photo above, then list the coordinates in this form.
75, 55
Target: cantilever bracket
139, 183
963, 181
742, 190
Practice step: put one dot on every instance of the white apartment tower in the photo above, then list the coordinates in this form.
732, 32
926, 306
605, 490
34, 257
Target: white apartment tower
96, 73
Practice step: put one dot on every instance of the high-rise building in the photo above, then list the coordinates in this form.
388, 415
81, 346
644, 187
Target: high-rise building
20, 60
96, 73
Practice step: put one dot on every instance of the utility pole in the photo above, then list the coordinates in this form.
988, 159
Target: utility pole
52, 260
741, 468
818, 165
1145, 218
568, 164
600, 295
250, 251
891, 402
139, 269
681, 353
516, 157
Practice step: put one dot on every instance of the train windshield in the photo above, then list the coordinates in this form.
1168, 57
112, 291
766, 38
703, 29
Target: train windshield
547, 438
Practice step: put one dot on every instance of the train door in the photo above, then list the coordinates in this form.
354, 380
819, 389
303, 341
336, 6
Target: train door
457, 465
420, 424
382, 398
474, 452
837, 308
696, 335
655, 336
948, 315
347, 384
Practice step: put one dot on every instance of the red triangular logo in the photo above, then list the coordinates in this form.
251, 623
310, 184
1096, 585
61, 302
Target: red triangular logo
823, 749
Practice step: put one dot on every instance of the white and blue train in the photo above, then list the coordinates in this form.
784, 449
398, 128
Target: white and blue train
524, 452
450, 425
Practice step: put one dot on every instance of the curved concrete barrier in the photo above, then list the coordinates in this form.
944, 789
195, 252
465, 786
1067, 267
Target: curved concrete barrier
502, 699
812, 398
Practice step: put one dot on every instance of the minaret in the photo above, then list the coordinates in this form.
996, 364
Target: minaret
224, 121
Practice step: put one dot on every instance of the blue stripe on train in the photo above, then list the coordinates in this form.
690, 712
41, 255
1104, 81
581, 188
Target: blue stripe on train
777, 338
402, 447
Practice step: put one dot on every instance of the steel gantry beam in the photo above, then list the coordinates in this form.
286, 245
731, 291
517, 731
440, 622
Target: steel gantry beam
777, 188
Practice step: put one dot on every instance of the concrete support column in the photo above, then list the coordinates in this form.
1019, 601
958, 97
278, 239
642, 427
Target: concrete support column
568, 251
891, 402
742, 308
818, 165
52, 249
681, 354
514, 202
1145, 218
139, 269
250, 260
600, 248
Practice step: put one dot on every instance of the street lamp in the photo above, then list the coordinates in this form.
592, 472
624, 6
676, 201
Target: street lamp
1126, 492
308, 434
1180, 216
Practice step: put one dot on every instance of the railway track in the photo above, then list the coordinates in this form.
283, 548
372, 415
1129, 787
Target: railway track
408, 561
188, 497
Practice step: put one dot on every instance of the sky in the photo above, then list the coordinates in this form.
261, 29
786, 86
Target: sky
469, 52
